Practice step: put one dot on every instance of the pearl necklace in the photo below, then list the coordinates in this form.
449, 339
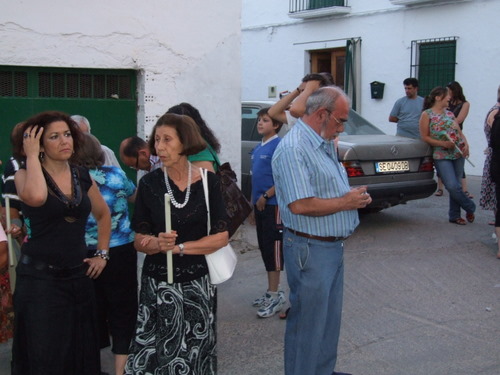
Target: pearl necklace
188, 189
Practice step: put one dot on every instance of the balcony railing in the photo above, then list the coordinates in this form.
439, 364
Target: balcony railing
317, 8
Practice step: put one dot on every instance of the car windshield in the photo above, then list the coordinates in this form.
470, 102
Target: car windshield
357, 125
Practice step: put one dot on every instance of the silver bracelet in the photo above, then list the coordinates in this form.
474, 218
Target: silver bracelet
102, 254
181, 249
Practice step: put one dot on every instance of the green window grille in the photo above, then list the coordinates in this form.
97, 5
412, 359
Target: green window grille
317, 4
66, 83
302, 5
13, 83
433, 62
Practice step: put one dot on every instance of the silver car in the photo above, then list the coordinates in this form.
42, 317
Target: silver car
395, 169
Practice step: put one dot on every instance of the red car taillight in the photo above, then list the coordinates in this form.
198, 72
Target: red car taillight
353, 169
427, 165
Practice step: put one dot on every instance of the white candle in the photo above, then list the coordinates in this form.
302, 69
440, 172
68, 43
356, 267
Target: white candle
168, 228
9, 236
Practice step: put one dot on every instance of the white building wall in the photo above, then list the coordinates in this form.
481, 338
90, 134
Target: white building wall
183, 51
274, 52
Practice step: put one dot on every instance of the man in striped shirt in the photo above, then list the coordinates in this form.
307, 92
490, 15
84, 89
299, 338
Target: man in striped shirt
319, 211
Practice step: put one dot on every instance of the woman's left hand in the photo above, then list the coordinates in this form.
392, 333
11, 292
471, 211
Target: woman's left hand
96, 266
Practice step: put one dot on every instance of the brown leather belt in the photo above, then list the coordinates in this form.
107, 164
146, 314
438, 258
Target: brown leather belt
319, 238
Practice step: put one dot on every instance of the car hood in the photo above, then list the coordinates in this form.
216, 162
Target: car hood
381, 147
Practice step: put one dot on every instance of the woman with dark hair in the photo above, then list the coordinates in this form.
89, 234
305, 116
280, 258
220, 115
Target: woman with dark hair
460, 108
176, 323
207, 158
116, 287
450, 148
54, 304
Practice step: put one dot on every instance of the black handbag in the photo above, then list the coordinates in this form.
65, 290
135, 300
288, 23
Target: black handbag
237, 206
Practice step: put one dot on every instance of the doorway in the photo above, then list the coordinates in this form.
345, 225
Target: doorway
332, 61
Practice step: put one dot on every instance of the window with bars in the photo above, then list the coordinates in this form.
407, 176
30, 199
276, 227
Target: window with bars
66, 83
13, 83
433, 62
301, 5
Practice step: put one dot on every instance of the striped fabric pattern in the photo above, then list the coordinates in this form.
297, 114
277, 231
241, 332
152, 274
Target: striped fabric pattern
305, 166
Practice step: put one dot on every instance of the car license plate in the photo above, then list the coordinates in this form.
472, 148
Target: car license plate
392, 166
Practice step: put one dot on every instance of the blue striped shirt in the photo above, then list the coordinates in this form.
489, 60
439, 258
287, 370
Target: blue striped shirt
306, 166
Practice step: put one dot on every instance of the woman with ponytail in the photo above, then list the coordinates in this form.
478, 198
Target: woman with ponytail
450, 148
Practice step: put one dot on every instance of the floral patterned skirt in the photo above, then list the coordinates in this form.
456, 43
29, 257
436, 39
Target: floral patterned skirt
488, 200
6, 307
175, 330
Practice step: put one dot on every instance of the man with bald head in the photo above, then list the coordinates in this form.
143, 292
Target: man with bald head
319, 211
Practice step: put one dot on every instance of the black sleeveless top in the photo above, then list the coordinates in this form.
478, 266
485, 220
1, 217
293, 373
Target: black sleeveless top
56, 230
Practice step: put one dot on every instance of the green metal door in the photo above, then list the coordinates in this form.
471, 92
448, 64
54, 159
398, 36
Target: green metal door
106, 97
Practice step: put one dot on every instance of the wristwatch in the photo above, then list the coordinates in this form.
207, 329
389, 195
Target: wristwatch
181, 249
266, 197
102, 254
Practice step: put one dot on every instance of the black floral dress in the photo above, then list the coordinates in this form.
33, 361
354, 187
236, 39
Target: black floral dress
488, 200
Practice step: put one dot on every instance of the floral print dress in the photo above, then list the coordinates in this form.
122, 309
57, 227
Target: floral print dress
6, 308
488, 200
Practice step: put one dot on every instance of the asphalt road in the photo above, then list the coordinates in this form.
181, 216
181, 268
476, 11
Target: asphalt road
422, 296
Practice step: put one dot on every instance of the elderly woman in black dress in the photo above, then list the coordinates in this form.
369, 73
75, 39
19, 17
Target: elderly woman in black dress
176, 326
55, 329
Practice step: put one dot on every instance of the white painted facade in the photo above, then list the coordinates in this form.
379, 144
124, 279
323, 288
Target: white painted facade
275, 52
182, 50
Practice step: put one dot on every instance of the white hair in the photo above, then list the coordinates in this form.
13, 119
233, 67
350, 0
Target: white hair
81, 120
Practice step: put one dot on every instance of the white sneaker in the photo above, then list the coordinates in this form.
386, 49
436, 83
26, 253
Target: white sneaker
258, 302
272, 305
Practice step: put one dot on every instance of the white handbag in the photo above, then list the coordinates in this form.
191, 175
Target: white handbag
221, 263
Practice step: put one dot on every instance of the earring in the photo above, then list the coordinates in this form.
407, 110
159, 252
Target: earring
41, 156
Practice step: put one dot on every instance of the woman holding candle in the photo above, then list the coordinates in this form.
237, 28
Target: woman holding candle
450, 148
176, 325
55, 328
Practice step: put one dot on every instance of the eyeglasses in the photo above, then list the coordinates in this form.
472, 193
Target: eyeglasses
341, 121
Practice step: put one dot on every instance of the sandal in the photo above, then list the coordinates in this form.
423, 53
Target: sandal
470, 217
459, 221
469, 195
439, 193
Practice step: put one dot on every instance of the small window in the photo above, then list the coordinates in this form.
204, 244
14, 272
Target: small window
433, 62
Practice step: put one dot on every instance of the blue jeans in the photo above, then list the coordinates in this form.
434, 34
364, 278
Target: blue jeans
315, 273
451, 172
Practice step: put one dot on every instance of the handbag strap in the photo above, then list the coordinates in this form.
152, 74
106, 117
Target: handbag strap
204, 178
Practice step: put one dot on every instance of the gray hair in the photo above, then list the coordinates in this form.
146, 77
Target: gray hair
81, 119
325, 97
